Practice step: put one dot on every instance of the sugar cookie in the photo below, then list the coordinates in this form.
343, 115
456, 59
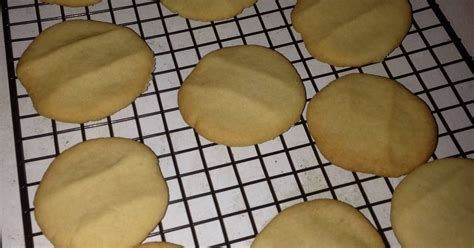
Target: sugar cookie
106, 192
351, 33
73, 3
78, 71
319, 223
372, 124
242, 95
207, 10
159, 245
433, 205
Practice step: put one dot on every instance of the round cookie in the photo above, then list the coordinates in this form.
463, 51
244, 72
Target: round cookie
372, 124
159, 245
207, 10
78, 71
319, 223
73, 3
351, 33
106, 192
242, 95
433, 205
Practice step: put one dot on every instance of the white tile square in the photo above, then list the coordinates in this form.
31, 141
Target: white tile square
98, 132
159, 144
303, 158
147, 11
250, 171
204, 35
36, 169
125, 15
238, 226
183, 140
147, 104
456, 118
38, 147
296, 136
273, 20
376, 190
175, 216
413, 42
202, 208
216, 155
446, 147
174, 190
447, 53
174, 119
195, 184
69, 139
230, 201
398, 66
250, 25
263, 216
164, 63
433, 78
436, 36
125, 129
338, 175
312, 180
286, 187
181, 40
152, 124
425, 18
183, 237
458, 71
167, 80
240, 153
35, 125
158, 44
186, 57
422, 60
466, 139
280, 36
209, 234
277, 164
382, 211
466, 90
257, 39
175, 23
227, 30
223, 177
189, 161
444, 97
270, 146
317, 67
411, 83
258, 194
375, 69
351, 195
167, 166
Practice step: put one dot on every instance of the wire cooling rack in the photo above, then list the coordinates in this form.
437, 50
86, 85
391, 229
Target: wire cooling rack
224, 195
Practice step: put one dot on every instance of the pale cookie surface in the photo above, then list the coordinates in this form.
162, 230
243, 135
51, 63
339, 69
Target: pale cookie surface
78, 71
73, 3
159, 245
372, 124
351, 33
106, 192
434, 206
319, 223
207, 10
242, 95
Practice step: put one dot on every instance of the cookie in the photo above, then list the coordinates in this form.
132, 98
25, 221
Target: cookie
207, 10
319, 223
242, 95
433, 205
372, 124
159, 245
78, 71
106, 192
351, 33
73, 3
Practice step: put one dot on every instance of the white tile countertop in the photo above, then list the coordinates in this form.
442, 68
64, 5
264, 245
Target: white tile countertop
239, 226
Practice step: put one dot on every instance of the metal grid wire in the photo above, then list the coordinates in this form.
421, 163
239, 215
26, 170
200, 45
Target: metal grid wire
224, 195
